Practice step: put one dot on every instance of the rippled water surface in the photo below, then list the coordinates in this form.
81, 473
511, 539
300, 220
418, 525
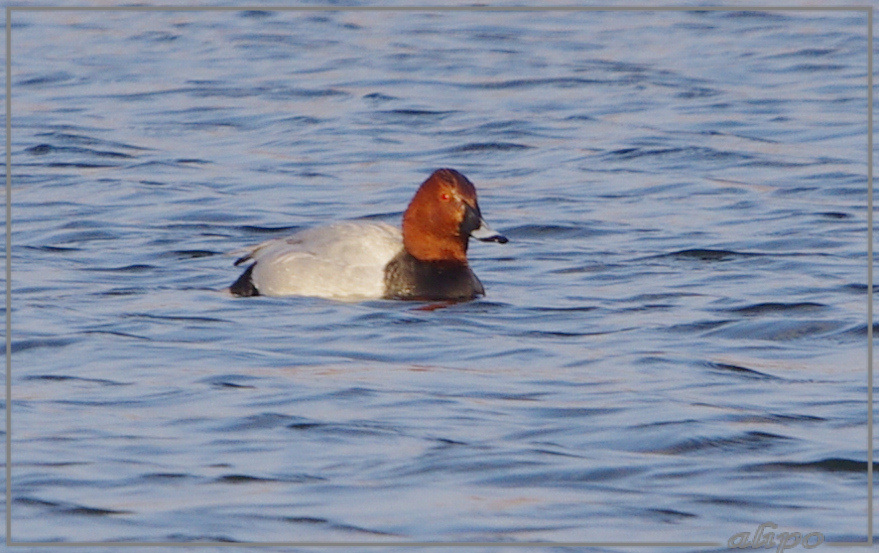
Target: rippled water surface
673, 346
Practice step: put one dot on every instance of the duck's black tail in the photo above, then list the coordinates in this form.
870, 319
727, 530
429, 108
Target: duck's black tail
244, 285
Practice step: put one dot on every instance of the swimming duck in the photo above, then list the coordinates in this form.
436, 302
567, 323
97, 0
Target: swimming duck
354, 260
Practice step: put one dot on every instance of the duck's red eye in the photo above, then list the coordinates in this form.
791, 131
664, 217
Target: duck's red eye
444, 197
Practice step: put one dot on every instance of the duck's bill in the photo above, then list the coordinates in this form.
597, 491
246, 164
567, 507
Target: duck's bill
484, 233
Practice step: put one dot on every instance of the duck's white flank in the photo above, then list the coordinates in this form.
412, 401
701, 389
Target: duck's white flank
344, 260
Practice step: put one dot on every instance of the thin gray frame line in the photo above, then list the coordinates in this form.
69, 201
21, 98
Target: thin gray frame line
368, 544
870, 276
8, 273
9, 9
642, 8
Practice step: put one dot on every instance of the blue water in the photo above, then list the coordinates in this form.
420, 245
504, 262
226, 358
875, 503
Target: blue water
672, 347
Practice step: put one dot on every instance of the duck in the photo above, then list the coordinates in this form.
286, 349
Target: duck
424, 260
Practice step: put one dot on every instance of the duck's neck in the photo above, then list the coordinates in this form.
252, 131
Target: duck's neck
425, 245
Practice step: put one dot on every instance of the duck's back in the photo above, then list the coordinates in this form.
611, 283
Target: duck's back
342, 260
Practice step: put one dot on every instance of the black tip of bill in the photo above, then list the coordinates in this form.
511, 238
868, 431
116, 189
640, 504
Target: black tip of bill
499, 238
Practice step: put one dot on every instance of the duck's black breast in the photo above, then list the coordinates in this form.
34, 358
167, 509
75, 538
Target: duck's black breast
408, 278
